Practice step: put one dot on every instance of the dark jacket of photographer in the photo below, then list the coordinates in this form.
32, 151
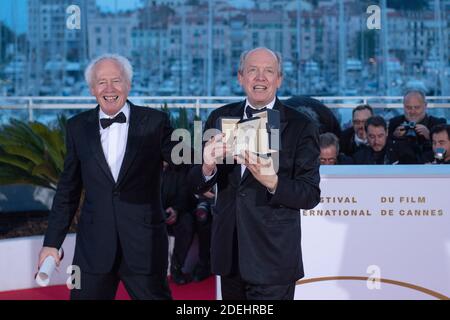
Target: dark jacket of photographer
412, 150
175, 193
366, 155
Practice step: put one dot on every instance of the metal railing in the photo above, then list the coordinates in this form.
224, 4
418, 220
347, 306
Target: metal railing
198, 102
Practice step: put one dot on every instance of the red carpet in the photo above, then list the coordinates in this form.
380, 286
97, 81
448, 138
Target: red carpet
204, 290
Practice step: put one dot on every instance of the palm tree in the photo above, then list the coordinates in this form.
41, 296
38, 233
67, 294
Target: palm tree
32, 153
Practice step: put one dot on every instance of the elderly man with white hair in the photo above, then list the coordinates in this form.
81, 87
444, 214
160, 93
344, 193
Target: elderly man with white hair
410, 132
115, 154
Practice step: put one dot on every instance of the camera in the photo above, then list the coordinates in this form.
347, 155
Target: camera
439, 155
202, 211
410, 129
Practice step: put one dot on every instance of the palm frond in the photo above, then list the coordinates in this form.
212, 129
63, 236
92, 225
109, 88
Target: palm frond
16, 161
10, 175
32, 153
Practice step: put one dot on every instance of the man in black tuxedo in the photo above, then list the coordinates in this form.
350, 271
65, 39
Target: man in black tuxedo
115, 153
255, 244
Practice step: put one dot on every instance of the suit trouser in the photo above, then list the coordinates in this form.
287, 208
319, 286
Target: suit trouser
138, 286
233, 287
184, 231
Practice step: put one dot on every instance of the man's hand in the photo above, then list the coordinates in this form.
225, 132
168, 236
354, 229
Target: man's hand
48, 251
173, 215
399, 131
209, 194
262, 169
423, 131
214, 152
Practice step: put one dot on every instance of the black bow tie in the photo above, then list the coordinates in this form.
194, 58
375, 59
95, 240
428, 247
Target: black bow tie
250, 112
120, 118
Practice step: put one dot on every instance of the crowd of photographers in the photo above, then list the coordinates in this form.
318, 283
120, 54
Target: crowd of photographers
412, 138
186, 215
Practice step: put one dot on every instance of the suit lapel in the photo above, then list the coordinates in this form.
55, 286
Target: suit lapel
94, 140
135, 137
238, 111
283, 119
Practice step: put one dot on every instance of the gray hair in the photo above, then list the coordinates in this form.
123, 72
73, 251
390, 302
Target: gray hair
415, 92
244, 55
329, 139
122, 61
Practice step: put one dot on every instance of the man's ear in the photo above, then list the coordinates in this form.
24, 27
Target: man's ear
239, 78
280, 81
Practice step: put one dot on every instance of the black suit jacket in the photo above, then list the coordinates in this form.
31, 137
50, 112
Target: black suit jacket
428, 121
175, 192
128, 211
412, 151
347, 144
267, 226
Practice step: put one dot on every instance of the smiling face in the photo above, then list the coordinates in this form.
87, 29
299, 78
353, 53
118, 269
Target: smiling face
260, 77
110, 86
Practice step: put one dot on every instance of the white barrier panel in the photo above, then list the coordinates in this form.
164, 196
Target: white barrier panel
397, 246
378, 233
19, 259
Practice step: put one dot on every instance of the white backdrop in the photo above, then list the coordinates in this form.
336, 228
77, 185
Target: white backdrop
19, 258
412, 250
409, 244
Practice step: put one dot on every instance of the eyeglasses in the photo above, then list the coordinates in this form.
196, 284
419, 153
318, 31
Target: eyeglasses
359, 122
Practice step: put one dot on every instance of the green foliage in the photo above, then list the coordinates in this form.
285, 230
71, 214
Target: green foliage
32, 153
182, 119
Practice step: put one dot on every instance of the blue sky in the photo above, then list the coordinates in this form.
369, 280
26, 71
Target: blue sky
112, 5
14, 12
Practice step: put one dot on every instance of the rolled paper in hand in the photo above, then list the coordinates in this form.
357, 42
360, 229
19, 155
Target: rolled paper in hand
45, 271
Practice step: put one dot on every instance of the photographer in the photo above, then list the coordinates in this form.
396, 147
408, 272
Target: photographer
354, 138
379, 150
440, 135
177, 205
410, 133
202, 226
329, 150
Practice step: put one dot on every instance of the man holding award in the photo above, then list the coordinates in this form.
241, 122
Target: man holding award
265, 163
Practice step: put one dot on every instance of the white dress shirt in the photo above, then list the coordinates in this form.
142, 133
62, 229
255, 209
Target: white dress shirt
359, 141
114, 140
